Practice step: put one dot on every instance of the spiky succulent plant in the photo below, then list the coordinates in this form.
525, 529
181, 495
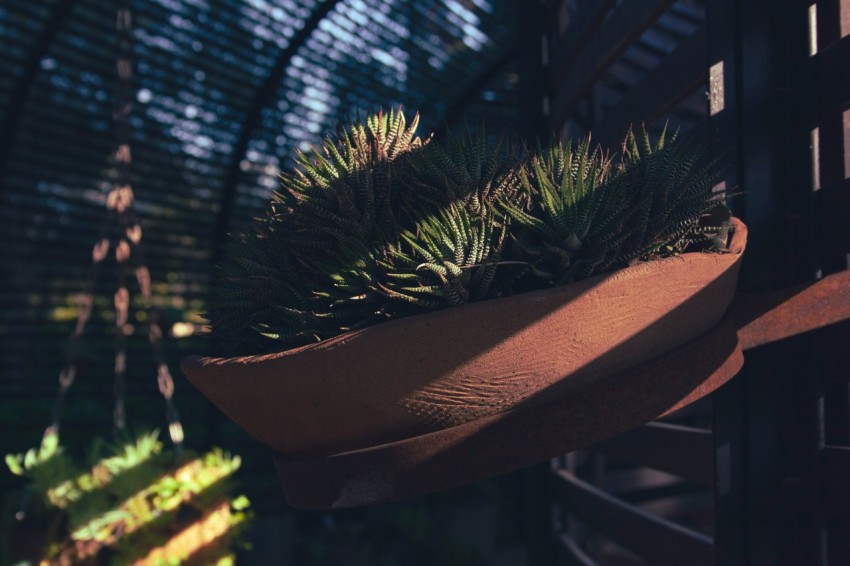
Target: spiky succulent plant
448, 259
676, 188
469, 168
344, 189
578, 214
379, 223
567, 212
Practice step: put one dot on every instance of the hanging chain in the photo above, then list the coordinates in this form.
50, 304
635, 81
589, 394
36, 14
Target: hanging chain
130, 243
120, 200
120, 215
84, 311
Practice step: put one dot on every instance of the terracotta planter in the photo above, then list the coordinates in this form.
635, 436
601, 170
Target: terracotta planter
429, 373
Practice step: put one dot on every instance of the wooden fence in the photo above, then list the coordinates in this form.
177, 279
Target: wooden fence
758, 474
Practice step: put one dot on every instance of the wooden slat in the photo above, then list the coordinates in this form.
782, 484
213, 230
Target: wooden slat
836, 478
569, 553
832, 231
651, 538
829, 16
670, 82
833, 82
636, 484
684, 451
695, 508
623, 27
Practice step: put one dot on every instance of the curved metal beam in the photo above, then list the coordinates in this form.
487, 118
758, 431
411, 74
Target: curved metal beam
19, 97
474, 88
253, 120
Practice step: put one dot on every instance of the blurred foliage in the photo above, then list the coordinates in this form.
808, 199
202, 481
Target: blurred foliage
128, 501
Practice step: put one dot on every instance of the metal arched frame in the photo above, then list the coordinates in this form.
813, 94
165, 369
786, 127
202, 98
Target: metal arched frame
19, 97
253, 120
475, 87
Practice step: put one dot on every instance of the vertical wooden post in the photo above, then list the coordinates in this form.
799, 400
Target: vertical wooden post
532, 19
834, 239
723, 35
767, 422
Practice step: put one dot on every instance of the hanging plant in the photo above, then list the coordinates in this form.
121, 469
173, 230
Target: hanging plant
134, 503
523, 269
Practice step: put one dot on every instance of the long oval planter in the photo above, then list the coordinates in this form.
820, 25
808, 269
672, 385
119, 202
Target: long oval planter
428, 373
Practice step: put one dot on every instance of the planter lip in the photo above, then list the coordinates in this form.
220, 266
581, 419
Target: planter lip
736, 244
